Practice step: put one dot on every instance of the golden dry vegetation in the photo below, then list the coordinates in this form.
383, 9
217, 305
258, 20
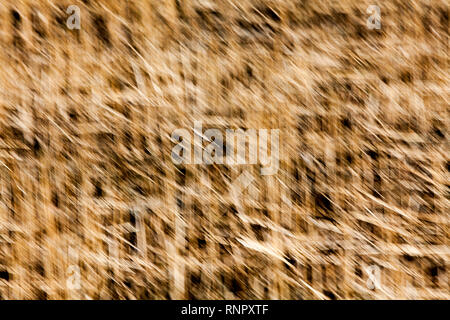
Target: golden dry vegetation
87, 181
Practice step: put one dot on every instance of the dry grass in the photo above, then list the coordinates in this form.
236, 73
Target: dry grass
86, 177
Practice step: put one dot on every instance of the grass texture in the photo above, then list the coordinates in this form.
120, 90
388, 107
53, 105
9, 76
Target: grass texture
359, 208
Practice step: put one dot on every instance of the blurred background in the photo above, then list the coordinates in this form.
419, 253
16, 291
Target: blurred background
93, 207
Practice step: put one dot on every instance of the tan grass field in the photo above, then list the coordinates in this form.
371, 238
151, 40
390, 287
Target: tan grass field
93, 207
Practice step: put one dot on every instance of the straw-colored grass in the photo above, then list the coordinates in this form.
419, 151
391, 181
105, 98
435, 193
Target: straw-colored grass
86, 177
